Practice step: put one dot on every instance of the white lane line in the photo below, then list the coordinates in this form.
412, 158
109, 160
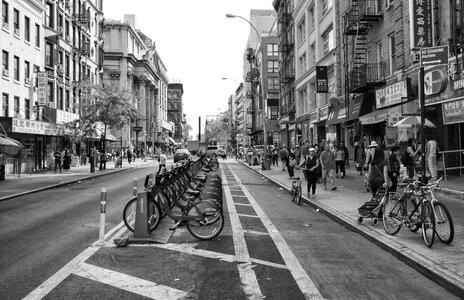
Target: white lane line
247, 275
238, 196
248, 216
269, 264
243, 204
129, 283
52, 282
306, 285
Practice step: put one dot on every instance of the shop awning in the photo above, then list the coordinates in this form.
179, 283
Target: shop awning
360, 106
374, 117
111, 138
337, 115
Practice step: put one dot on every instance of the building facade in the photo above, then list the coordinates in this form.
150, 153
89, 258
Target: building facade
176, 111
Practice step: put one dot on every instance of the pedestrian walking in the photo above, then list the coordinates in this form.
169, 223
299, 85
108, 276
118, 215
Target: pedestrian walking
310, 165
432, 153
58, 160
410, 155
162, 160
283, 156
394, 161
305, 149
297, 155
275, 156
327, 160
102, 160
290, 164
359, 156
129, 155
340, 161
378, 169
347, 155
67, 159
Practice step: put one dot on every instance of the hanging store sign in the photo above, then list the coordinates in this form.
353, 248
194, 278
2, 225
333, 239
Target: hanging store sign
42, 89
420, 23
453, 112
392, 94
439, 87
322, 80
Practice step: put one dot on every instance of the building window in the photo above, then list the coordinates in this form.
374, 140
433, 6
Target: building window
16, 68
49, 55
301, 32
60, 98
50, 92
272, 66
328, 40
272, 50
5, 105
5, 64
302, 63
67, 100
312, 96
27, 29
16, 107
326, 5
66, 66
49, 16
27, 109
274, 112
16, 21
392, 53
27, 72
5, 16
272, 83
37, 35
312, 20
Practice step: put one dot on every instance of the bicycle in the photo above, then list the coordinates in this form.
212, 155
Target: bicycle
296, 190
426, 213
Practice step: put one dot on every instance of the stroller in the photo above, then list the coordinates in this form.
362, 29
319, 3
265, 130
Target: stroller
118, 162
372, 209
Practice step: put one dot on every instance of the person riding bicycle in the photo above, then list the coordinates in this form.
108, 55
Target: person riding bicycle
310, 166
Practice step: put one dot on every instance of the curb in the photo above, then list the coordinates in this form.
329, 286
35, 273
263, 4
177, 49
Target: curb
449, 280
48, 187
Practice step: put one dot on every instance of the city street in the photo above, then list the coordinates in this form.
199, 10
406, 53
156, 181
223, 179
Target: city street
270, 247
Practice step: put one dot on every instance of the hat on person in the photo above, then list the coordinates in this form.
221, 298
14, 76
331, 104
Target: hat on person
311, 149
373, 144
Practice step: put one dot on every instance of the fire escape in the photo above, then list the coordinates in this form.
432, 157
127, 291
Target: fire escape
286, 35
361, 76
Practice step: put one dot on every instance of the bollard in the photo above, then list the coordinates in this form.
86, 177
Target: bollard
134, 188
101, 238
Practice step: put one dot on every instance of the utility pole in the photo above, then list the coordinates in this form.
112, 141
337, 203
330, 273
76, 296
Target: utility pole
199, 129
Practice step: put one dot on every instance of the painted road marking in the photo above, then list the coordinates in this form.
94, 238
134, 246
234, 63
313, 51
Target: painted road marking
247, 275
256, 232
248, 216
306, 285
243, 204
129, 283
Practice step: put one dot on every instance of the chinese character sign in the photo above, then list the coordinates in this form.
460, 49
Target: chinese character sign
322, 81
42, 88
420, 21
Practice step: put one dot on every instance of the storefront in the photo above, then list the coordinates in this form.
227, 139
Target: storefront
40, 140
335, 119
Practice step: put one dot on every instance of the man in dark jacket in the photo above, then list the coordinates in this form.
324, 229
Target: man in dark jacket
347, 155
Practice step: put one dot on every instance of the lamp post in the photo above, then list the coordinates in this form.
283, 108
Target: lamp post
145, 146
264, 101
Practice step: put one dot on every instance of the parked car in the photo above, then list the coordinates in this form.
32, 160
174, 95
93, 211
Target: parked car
222, 153
212, 149
182, 154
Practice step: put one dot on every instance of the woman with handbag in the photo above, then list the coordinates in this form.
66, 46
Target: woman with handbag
378, 169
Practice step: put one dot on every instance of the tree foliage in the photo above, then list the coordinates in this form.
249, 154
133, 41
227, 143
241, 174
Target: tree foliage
101, 105
216, 130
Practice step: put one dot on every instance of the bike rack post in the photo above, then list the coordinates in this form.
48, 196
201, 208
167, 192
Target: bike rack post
101, 237
142, 234
134, 188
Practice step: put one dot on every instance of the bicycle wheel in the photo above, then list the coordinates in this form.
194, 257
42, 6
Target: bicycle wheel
130, 209
428, 224
298, 199
392, 216
443, 223
214, 165
212, 228
414, 224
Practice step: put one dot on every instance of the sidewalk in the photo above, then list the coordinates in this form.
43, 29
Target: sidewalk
14, 185
442, 263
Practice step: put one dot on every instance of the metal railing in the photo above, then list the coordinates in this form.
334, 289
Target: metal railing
456, 157
18, 166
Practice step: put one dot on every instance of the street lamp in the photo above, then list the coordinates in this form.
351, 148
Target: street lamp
251, 80
228, 78
145, 146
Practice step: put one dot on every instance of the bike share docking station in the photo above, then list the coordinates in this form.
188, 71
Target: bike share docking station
142, 233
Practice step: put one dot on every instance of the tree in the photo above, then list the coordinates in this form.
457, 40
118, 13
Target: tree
216, 130
186, 131
102, 105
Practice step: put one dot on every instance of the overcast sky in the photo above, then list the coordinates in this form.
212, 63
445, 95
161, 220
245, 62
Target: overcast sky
197, 43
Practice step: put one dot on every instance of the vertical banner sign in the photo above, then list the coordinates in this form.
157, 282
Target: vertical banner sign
420, 22
322, 81
42, 89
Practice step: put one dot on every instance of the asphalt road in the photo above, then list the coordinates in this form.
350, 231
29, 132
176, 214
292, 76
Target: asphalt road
41, 232
270, 247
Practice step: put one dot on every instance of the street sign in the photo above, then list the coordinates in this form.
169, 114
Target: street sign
137, 128
434, 56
